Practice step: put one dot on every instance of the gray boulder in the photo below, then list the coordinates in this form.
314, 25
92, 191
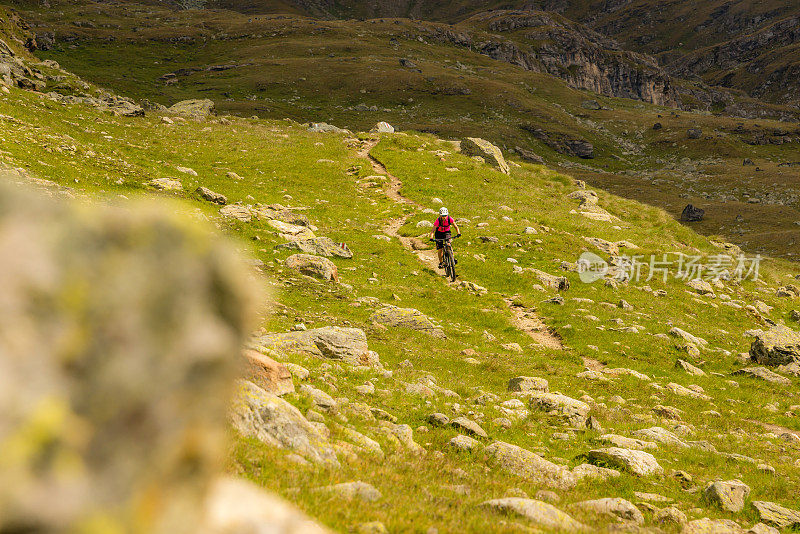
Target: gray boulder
728, 495
197, 108
318, 246
779, 345
270, 419
475, 146
314, 266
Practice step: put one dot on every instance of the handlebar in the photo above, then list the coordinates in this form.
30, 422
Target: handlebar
453, 237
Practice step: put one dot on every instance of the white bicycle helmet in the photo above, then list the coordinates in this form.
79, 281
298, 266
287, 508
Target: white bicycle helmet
443, 212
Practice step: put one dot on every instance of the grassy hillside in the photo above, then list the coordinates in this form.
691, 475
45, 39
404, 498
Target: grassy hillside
327, 178
350, 74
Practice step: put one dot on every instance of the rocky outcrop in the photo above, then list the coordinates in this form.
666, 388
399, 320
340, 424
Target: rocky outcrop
779, 345
474, 146
120, 332
314, 266
270, 419
637, 462
526, 464
407, 318
348, 345
742, 62
541, 514
273, 377
319, 246
561, 142
548, 43
198, 108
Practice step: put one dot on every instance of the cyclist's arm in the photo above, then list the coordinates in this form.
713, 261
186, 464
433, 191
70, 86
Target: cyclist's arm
458, 232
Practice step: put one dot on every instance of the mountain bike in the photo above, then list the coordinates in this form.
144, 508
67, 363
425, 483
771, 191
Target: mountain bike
448, 258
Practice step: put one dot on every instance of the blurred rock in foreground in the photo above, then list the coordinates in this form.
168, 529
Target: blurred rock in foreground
120, 336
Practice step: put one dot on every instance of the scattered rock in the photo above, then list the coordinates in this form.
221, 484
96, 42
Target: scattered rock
348, 345
474, 146
199, 108
692, 214
464, 443
270, 419
571, 410
627, 443
314, 266
469, 426
383, 127
712, 526
268, 374
350, 491
318, 246
779, 345
407, 318
776, 515
165, 184
762, 373
235, 505
637, 462
694, 133
689, 368
211, 196
614, 507
670, 516
728, 495
526, 464
541, 514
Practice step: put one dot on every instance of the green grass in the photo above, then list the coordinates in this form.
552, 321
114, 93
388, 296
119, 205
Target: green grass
103, 157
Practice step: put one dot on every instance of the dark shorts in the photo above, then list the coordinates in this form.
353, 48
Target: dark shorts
441, 235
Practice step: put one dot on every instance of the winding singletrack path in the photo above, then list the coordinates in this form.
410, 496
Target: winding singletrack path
525, 319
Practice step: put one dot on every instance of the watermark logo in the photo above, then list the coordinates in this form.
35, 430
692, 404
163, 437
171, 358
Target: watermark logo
591, 267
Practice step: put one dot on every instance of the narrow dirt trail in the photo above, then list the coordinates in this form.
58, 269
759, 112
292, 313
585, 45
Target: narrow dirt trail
525, 319
426, 255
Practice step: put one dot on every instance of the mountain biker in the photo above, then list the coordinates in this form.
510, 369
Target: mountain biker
441, 231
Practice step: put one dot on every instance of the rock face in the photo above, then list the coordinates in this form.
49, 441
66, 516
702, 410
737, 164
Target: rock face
542, 515
777, 515
637, 462
199, 108
777, 346
407, 318
728, 495
474, 146
319, 246
692, 214
583, 58
106, 408
314, 266
268, 374
348, 345
239, 506
268, 418
529, 465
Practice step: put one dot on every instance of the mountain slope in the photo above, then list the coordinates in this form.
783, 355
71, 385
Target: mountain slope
615, 360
